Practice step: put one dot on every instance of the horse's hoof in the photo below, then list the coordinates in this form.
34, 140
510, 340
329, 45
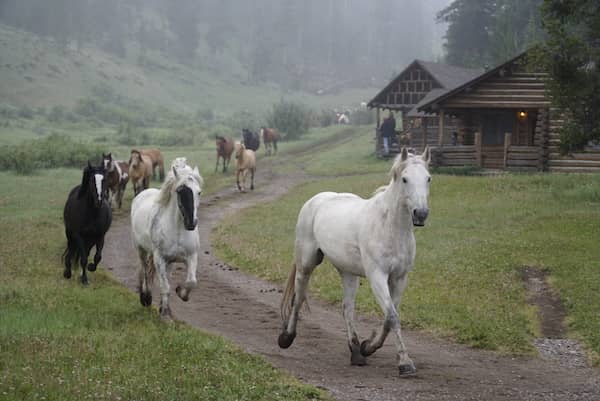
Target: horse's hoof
285, 339
165, 314
91, 267
407, 369
67, 274
179, 290
364, 348
356, 358
84, 281
146, 298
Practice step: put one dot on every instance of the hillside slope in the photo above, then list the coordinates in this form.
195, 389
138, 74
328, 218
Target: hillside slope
36, 72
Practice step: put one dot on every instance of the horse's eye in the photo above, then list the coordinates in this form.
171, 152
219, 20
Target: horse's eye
428, 179
404, 180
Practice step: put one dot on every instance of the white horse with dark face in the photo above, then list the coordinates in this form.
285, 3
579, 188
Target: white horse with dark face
164, 231
370, 238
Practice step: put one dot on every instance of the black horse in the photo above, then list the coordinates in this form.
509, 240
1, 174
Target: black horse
87, 218
251, 139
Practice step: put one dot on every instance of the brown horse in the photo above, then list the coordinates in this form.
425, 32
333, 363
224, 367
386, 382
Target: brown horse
157, 161
245, 163
117, 177
270, 138
140, 171
224, 151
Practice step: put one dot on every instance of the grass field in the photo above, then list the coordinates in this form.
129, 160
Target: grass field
481, 232
59, 341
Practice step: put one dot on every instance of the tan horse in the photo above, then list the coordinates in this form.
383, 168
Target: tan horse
140, 171
224, 151
270, 138
157, 161
245, 162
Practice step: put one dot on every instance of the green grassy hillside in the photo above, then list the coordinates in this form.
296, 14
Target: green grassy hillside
37, 72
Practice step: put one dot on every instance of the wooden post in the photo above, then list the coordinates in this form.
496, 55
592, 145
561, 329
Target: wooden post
378, 143
478, 158
441, 129
507, 139
424, 131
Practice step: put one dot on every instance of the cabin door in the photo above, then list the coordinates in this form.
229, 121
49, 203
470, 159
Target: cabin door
494, 125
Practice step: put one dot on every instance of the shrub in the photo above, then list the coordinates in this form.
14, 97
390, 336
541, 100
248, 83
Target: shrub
26, 112
57, 113
50, 152
291, 118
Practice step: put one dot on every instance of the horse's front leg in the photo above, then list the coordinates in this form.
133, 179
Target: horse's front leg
350, 284
145, 274
397, 286
83, 258
237, 180
379, 287
97, 256
190, 281
161, 266
217, 165
251, 179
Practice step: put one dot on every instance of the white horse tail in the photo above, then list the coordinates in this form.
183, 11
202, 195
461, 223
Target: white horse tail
288, 295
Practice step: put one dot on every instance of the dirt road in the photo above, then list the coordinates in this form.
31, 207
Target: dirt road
245, 310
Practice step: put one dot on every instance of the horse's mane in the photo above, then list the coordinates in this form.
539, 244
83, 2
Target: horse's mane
398, 167
171, 182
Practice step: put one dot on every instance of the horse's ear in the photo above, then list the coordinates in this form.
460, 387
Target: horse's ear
84, 181
403, 154
426, 155
175, 172
89, 164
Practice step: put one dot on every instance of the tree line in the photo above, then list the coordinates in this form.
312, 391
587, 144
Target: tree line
294, 43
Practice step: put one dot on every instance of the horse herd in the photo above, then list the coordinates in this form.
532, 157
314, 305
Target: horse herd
370, 238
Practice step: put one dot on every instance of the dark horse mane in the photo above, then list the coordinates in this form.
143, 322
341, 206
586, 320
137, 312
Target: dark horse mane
86, 219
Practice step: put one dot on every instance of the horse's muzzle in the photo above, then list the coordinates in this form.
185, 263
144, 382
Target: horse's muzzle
190, 224
419, 216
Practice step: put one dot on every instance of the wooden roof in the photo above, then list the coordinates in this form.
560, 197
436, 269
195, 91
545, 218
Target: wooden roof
508, 85
442, 76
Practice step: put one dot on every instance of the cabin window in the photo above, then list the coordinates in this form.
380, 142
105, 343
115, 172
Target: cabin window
419, 86
427, 87
415, 98
406, 98
411, 86
402, 86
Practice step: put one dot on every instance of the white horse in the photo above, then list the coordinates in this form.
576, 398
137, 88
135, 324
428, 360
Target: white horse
164, 231
362, 237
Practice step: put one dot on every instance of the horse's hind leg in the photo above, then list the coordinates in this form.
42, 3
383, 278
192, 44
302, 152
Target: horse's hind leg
350, 283
295, 293
275, 147
251, 180
217, 165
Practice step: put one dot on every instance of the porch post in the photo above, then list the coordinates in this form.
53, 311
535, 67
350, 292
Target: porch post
441, 128
377, 134
478, 149
424, 131
507, 140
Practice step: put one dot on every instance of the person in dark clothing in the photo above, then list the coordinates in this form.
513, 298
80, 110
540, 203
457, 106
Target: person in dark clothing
388, 130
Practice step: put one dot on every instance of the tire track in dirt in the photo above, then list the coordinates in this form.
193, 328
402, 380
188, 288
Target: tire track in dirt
245, 310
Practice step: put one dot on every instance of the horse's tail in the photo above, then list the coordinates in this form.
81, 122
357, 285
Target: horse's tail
161, 168
288, 295
70, 254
